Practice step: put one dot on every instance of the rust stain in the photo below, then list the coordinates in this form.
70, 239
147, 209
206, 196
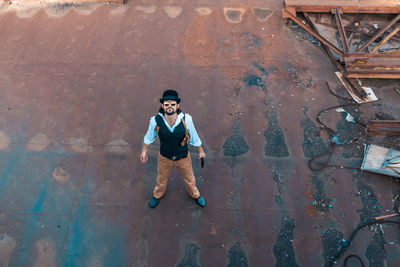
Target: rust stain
5, 141
46, 254
7, 245
203, 11
173, 11
60, 175
147, 9
38, 143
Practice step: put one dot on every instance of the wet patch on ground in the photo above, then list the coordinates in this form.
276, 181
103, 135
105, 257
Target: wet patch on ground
278, 179
375, 251
234, 15
190, 256
332, 241
275, 138
235, 145
237, 257
313, 145
255, 80
262, 14
261, 68
283, 248
351, 134
234, 196
322, 202
370, 205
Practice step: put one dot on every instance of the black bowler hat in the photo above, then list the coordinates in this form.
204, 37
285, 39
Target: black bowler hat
170, 95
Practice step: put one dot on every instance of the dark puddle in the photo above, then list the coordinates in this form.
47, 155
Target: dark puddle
276, 144
283, 248
352, 135
332, 241
253, 80
313, 145
279, 200
233, 15
190, 257
237, 257
375, 251
235, 145
370, 205
320, 200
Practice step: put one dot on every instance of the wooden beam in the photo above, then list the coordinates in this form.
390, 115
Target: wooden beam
384, 40
73, 1
287, 14
327, 50
342, 32
384, 127
373, 75
376, 36
347, 6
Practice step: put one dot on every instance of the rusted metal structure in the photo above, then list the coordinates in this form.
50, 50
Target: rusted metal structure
365, 61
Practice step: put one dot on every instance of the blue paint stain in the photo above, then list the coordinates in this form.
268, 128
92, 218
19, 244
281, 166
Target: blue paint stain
253, 80
89, 240
14, 159
48, 160
32, 227
76, 250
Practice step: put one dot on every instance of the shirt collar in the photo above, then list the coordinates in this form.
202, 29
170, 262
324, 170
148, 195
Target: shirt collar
178, 120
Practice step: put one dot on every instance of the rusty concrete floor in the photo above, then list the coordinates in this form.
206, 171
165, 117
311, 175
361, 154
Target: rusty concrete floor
78, 85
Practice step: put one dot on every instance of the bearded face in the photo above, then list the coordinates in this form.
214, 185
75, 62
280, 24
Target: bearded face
170, 107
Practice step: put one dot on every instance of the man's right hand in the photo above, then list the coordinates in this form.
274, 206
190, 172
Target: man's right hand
143, 157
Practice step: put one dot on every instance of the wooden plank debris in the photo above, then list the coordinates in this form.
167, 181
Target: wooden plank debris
366, 53
348, 6
376, 158
384, 127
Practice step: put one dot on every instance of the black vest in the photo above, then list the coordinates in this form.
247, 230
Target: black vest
171, 142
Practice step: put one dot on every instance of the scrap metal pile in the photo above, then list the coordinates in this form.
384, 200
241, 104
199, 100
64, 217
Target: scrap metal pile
362, 36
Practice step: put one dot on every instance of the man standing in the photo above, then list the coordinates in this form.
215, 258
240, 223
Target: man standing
175, 129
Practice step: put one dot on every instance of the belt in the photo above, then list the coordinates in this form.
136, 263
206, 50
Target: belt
177, 158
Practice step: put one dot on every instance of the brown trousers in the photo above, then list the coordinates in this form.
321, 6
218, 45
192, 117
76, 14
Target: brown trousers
164, 170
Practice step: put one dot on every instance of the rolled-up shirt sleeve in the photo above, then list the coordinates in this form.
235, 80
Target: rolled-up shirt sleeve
151, 132
194, 137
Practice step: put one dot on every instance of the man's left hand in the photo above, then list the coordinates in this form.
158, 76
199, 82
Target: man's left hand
202, 155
